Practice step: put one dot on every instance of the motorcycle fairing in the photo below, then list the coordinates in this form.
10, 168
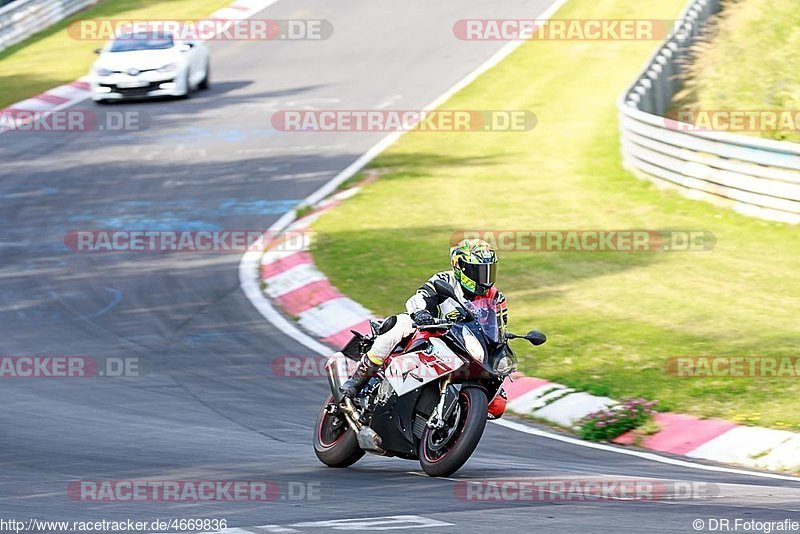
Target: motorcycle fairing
395, 420
409, 371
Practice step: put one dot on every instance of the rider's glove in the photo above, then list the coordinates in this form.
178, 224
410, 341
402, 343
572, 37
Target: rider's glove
422, 318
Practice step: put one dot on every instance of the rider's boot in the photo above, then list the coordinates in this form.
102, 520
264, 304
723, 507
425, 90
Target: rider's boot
366, 370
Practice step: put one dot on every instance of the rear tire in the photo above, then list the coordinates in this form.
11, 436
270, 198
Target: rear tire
442, 453
335, 443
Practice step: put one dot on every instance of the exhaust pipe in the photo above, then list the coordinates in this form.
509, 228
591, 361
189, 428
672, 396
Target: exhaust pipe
334, 383
370, 441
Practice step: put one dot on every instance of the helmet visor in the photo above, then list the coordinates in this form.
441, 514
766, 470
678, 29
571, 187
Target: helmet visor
483, 274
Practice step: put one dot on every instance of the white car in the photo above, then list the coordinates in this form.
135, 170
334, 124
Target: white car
149, 65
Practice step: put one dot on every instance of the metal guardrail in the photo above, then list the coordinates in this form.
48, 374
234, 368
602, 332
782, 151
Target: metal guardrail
757, 177
22, 18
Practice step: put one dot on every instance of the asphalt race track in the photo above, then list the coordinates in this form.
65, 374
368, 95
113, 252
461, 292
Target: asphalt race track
209, 406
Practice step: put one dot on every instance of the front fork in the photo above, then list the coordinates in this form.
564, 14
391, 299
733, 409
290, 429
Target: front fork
436, 419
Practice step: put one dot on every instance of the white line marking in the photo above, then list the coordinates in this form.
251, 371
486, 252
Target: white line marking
639, 454
390, 522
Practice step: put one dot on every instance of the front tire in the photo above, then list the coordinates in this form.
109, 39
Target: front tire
335, 444
442, 452
205, 83
188, 85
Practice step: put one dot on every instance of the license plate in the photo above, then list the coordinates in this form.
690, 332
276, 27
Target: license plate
132, 84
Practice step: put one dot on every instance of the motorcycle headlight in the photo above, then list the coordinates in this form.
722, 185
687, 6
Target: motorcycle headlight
102, 71
472, 345
505, 365
169, 67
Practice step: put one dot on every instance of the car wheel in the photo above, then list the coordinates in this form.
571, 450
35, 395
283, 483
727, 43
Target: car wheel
205, 83
187, 84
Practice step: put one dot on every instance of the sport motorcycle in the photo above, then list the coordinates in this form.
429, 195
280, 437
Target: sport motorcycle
432, 396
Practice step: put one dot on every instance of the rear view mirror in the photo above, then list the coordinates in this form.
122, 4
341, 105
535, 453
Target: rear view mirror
444, 289
535, 337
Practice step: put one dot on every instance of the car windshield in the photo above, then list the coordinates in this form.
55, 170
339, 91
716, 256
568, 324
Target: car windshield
485, 312
141, 41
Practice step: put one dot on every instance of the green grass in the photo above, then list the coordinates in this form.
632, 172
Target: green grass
51, 57
612, 318
752, 64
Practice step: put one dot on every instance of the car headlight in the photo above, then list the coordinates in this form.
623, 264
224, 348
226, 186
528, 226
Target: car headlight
472, 345
102, 71
505, 365
169, 67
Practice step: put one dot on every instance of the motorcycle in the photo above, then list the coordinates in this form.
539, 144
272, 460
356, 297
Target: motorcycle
429, 401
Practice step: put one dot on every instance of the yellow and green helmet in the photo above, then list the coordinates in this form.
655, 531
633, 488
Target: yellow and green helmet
474, 265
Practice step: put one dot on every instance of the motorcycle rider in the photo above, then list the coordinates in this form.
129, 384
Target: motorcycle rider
473, 274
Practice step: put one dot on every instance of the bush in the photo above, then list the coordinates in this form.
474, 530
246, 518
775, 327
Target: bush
607, 424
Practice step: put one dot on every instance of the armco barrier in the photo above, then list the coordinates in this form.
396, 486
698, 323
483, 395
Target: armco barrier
754, 176
22, 18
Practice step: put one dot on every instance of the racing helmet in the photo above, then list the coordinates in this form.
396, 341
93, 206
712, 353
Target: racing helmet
474, 265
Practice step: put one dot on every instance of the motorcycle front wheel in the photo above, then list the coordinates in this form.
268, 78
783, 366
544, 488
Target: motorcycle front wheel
442, 451
335, 444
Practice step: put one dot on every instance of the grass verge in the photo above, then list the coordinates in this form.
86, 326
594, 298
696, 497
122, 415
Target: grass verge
752, 64
51, 57
613, 319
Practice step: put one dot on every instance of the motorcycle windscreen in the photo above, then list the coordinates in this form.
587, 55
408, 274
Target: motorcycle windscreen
407, 372
486, 315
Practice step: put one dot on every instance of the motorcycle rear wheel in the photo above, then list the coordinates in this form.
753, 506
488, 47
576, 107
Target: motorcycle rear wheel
335, 444
442, 452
